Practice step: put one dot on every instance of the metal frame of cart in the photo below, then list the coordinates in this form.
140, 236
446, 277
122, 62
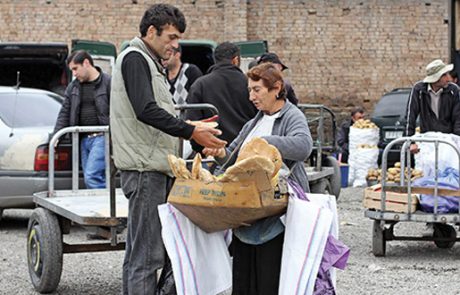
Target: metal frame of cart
444, 235
58, 209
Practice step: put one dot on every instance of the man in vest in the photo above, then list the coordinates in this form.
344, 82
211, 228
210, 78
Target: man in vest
180, 75
144, 130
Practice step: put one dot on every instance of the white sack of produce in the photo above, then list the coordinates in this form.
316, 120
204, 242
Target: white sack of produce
360, 161
447, 157
360, 133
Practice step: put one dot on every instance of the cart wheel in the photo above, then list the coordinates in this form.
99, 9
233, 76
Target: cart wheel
378, 240
444, 231
335, 180
321, 187
44, 250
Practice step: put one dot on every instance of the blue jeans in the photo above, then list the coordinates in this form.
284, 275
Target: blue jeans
92, 151
145, 253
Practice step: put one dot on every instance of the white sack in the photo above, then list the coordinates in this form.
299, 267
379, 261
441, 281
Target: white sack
360, 161
200, 261
307, 229
359, 136
447, 157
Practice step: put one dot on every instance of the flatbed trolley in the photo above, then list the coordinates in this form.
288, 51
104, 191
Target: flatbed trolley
57, 210
444, 234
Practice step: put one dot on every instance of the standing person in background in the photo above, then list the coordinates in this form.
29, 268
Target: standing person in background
343, 139
144, 131
180, 75
273, 58
436, 101
226, 87
87, 104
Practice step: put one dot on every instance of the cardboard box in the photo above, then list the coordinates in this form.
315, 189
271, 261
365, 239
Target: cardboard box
395, 202
217, 206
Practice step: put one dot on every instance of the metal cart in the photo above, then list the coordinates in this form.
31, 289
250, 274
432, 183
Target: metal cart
444, 235
323, 170
57, 210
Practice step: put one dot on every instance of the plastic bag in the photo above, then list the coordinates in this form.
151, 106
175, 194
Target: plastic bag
447, 157
448, 179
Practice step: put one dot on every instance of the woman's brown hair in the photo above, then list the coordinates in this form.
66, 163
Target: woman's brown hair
270, 75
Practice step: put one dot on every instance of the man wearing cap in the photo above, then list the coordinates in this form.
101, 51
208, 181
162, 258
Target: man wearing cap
436, 101
273, 58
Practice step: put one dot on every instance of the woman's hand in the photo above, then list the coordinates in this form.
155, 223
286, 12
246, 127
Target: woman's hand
217, 153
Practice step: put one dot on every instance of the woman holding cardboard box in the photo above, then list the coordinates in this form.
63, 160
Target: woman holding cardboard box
257, 249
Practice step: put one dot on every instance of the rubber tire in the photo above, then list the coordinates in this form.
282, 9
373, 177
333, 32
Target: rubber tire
378, 240
321, 187
44, 250
335, 180
444, 231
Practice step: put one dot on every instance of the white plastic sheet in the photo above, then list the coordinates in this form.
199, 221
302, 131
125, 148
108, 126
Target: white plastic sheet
447, 157
307, 228
200, 261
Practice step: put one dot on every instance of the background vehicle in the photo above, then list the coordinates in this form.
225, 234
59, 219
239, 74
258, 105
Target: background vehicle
43, 66
200, 52
390, 116
27, 117
40, 66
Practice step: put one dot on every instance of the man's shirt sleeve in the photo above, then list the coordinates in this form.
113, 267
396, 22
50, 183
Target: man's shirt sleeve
137, 79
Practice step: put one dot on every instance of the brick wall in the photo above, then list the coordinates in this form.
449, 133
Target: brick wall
340, 53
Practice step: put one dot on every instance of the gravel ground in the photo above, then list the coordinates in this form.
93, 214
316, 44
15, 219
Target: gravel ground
409, 267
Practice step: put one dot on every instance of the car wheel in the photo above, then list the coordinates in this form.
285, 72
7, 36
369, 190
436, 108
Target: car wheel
44, 250
335, 180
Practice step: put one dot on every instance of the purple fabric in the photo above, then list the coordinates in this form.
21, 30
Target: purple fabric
335, 255
300, 194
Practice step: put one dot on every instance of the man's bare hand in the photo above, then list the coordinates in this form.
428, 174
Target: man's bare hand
414, 148
217, 153
206, 136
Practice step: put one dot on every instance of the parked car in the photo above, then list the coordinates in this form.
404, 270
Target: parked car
27, 117
390, 116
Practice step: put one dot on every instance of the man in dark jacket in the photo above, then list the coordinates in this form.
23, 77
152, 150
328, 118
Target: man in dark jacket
226, 87
436, 101
87, 104
344, 132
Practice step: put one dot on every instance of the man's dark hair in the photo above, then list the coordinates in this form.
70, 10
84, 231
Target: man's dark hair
79, 56
159, 15
357, 110
225, 52
453, 74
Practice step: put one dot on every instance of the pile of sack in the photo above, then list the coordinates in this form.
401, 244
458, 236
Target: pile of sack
363, 140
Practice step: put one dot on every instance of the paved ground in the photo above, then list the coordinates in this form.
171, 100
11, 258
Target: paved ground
408, 268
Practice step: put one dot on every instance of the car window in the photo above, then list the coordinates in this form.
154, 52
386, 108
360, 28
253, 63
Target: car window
393, 104
32, 109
